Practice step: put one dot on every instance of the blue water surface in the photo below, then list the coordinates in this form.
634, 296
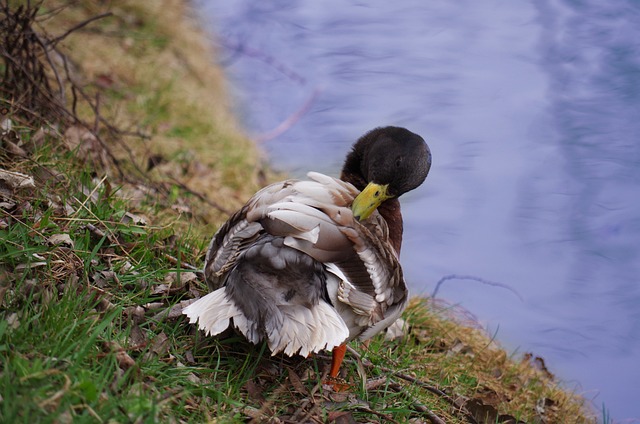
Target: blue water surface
532, 112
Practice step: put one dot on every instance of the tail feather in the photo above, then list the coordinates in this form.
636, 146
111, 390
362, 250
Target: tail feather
298, 329
304, 331
213, 312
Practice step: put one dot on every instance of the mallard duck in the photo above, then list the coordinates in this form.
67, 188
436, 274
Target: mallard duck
311, 265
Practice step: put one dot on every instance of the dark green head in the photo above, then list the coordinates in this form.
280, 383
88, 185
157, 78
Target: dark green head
384, 164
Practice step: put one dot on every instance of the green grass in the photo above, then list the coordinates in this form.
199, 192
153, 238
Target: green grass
63, 326
50, 366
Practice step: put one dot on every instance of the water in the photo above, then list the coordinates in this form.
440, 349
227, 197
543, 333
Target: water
532, 112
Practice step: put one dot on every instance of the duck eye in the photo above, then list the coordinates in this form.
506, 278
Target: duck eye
399, 162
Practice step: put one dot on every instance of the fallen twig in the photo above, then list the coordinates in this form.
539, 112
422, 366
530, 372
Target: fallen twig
417, 405
175, 261
201, 196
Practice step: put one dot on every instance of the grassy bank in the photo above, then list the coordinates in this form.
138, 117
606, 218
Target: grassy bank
118, 160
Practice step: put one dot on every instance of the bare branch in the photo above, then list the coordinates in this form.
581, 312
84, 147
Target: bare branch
473, 278
77, 27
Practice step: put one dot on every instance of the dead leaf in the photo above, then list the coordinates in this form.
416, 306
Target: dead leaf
172, 313
47, 295
65, 418
373, 384
160, 345
13, 149
26, 208
508, 419
193, 378
341, 417
122, 357
297, 383
481, 412
104, 80
13, 321
538, 363
105, 305
30, 265
124, 360
132, 218
127, 267
255, 391
5, 125
489, 396
485, 413
92, 193
543, 405
54, 201
161, 289
459, 347
135, 313
116, 382
37, 139
60, 239
77, 137
85, 144
104, 277
5, 284
137, 338
188, 355
7, 205
16, 180
181, 209
185, 277
172, 284
153, 305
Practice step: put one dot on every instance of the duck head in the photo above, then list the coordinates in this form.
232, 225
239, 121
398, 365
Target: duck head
384, 164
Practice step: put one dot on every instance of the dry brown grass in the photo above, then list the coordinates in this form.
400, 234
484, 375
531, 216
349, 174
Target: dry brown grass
480, 371
149, 70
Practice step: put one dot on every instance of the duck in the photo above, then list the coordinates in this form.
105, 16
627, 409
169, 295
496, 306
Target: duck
310, 265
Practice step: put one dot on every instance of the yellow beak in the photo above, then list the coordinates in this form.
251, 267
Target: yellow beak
369, 199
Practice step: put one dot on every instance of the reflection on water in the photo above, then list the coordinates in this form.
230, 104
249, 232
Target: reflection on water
532, 111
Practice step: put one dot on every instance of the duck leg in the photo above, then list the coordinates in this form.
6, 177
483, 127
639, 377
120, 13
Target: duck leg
333, 381
336, 359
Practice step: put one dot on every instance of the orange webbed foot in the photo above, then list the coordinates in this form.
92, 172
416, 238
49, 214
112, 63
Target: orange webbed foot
333, 381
